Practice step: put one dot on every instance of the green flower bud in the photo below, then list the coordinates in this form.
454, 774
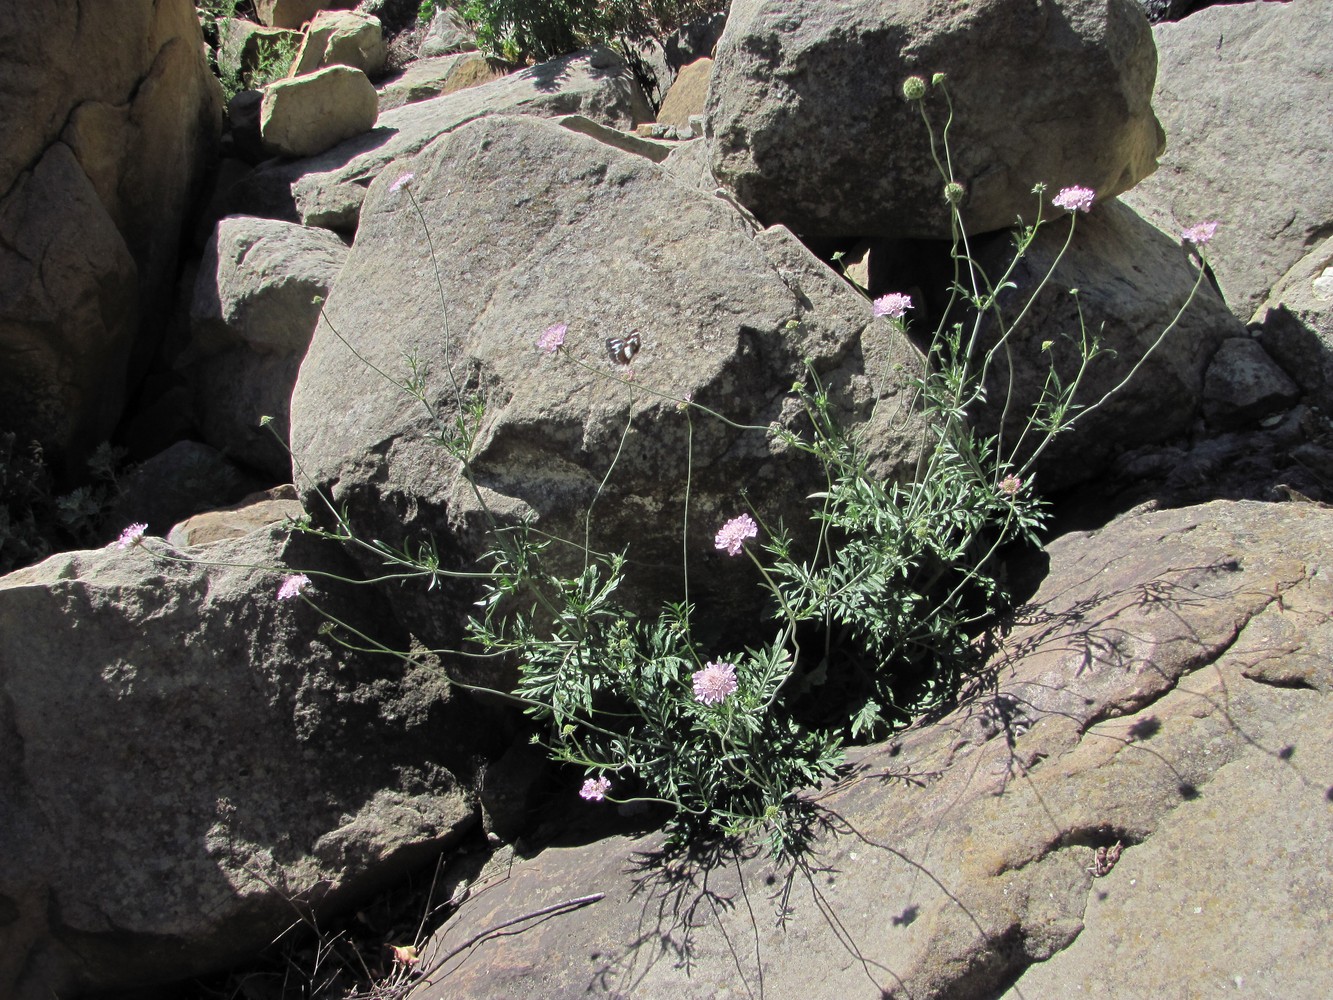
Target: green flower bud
954, 193
914, 88
937, 79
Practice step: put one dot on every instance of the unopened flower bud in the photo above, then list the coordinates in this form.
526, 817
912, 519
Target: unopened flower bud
954, 192
914, 88
938, 79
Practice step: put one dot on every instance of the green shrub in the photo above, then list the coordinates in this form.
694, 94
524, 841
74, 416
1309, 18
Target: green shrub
523, 30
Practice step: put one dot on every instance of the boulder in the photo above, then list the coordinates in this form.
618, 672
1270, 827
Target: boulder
189, 762
1244, 96
1128, 803
342, 38
256, 301
606, 242
259, 284
295, 13
435, 77
110, 116
309, 114
328, 190
688, 95
1130, 280
1296, 324
809, 126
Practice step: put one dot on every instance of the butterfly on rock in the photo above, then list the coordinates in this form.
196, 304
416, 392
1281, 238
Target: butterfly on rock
623, 349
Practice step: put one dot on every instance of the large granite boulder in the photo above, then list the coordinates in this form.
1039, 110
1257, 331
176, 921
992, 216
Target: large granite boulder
1129, 804
809, 126
109, 114
1245, 98
607, 243
185, 758
256, 301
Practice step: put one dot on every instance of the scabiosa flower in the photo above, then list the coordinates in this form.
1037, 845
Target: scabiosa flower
595, 789
714, 682
132, 535
892, 305
954, 193
402, 182
732, 535
552, 338
293, 586
1010, 485
1074, 199
1199, 234
914, 88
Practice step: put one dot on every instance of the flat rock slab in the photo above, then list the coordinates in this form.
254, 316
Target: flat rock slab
1167, 691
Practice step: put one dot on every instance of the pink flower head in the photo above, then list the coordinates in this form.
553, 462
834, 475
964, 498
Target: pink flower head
714, 682
132, 535
1010, 485
1199, 234
595, 789
552, 338
892, 305
1074, 199
402, 182
293, 586
732, 535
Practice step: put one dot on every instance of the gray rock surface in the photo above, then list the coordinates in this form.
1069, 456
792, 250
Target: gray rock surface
809, 127
109, 115
231, 763
1244, 97
1167, 690
307, 115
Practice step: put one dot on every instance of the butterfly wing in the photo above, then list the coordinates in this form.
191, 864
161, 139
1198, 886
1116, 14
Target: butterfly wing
622, 349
